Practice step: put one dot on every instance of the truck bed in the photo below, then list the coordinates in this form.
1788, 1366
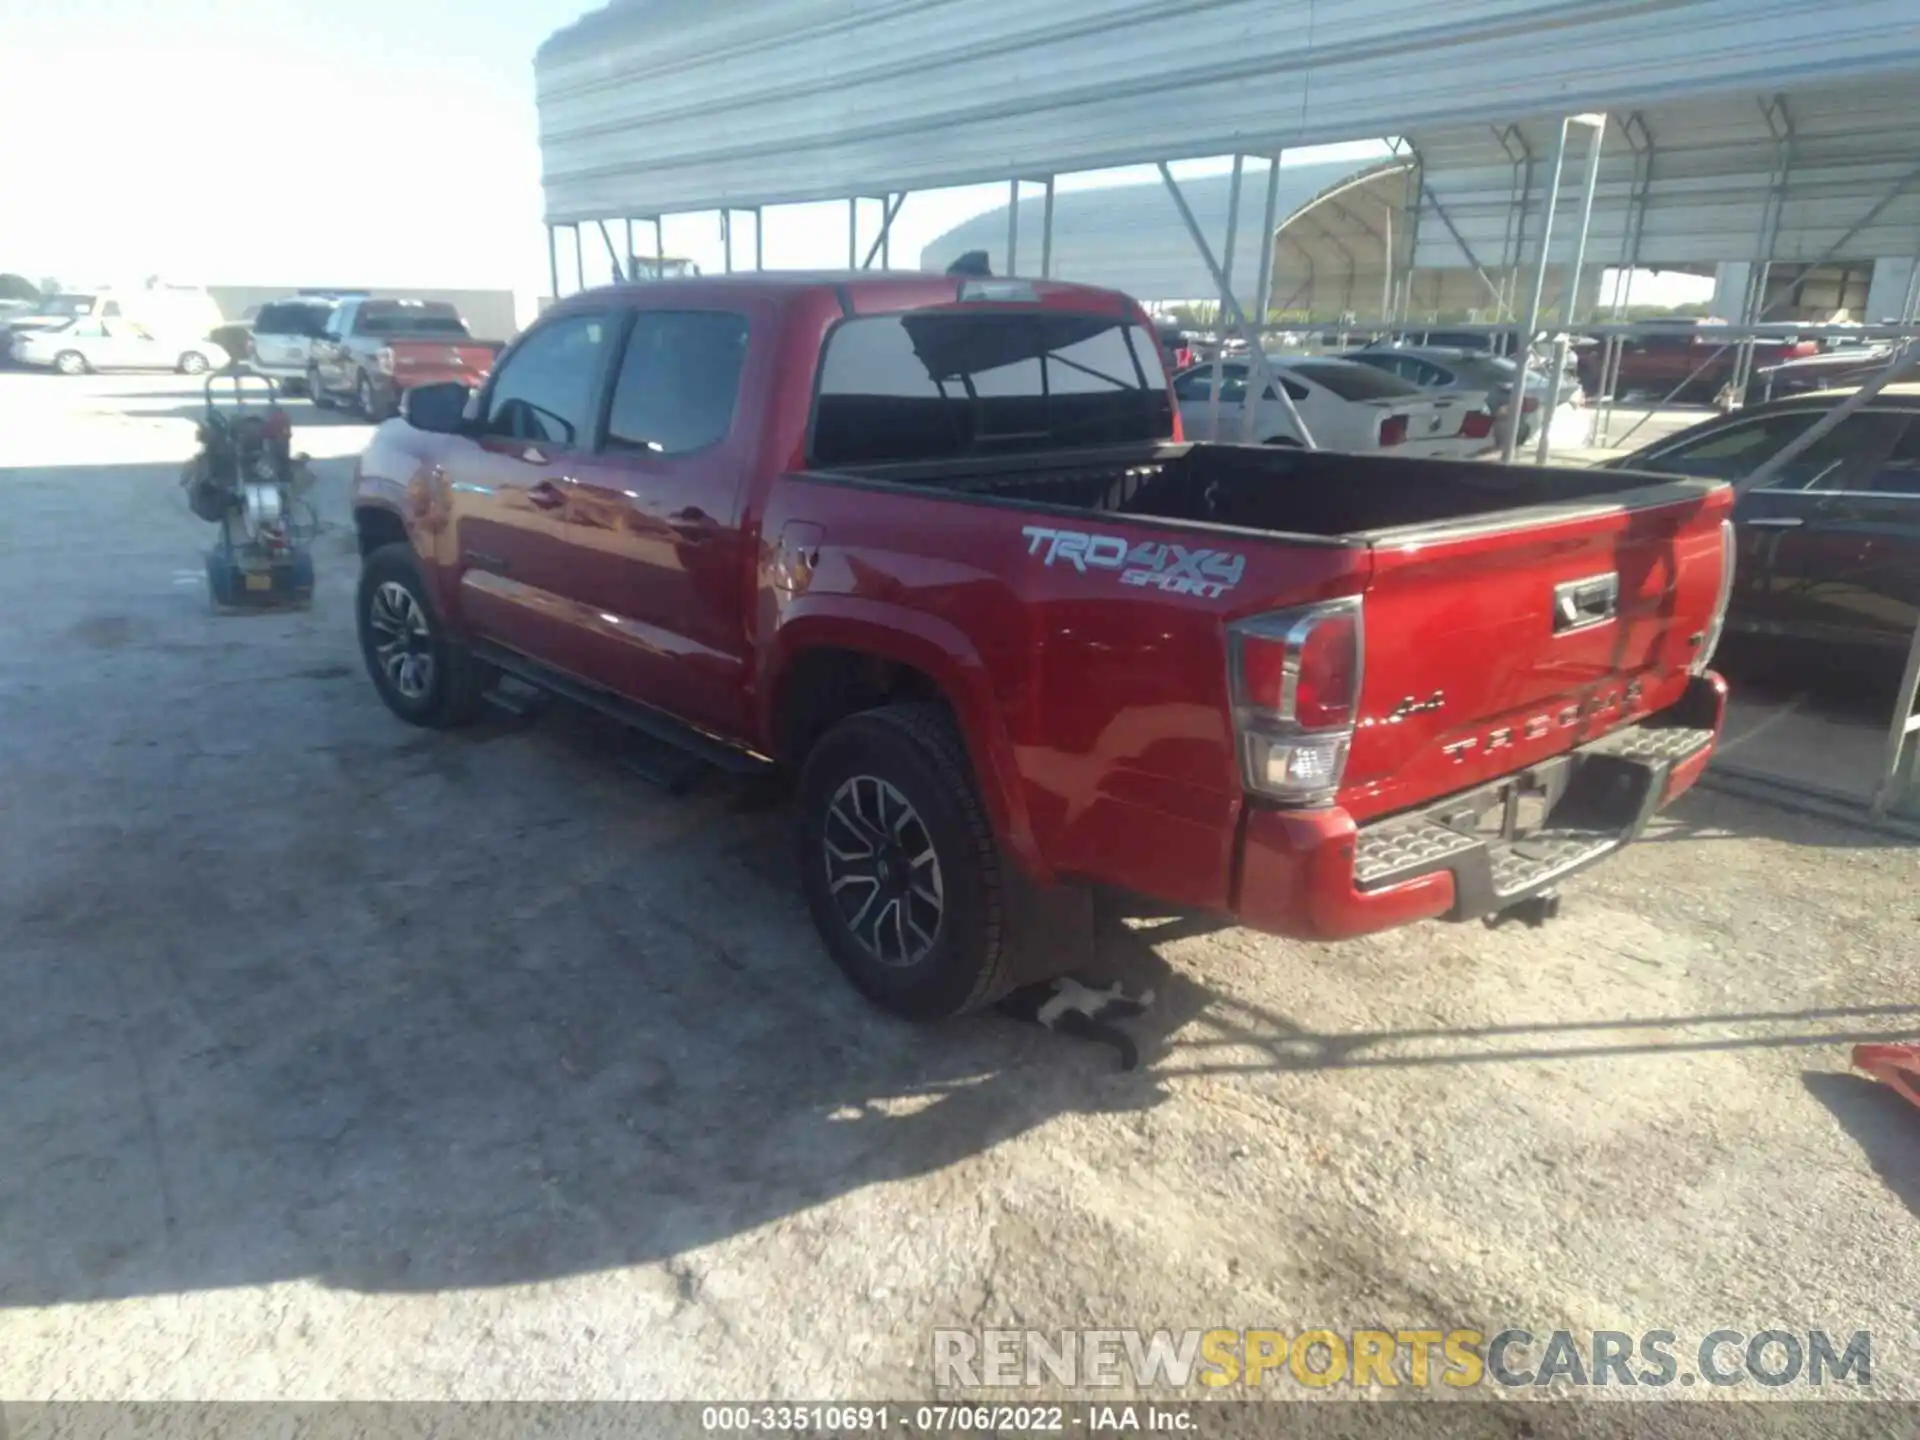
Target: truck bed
1312, 495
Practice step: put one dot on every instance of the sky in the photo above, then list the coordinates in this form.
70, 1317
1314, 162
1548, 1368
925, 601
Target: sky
332, 142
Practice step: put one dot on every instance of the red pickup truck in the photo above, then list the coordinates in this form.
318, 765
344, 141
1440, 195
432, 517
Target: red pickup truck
933, 546
371, 352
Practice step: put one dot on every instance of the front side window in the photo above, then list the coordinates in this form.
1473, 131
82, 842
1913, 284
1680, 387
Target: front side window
1737, 450
940, 383
544, 390
679, 382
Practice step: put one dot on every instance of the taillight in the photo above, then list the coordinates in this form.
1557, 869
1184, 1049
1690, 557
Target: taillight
1295, 681
1711, 641
1393, 430
1478, 425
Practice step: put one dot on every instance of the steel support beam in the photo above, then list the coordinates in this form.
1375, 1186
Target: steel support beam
853, 232
1523, 340
879, 246
1513, 246
632, 274
1263, 283
579, 256
759, 238
1433, 201
1226, 286
1640, 141
1896, 790
726, 239
1013, 227
659, 243
553, 260
606, 237
1046, 234
1256, 352
1570, 292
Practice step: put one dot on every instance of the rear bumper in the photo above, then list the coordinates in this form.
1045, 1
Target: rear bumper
393, 386
1315, 874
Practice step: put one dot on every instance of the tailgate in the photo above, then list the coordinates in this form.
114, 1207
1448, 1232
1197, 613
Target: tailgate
1493, 645
439, 359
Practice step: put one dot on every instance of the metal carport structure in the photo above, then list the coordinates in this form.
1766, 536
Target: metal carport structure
651, 107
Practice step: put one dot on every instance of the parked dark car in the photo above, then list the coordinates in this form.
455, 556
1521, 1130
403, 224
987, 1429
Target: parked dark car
1829, 554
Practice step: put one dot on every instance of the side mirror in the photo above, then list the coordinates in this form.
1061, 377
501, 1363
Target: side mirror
437, 409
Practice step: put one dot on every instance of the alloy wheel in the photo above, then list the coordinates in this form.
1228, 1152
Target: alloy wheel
883, 872
403, 642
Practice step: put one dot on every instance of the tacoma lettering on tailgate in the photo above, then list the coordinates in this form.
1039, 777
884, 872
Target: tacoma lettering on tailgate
1172, 568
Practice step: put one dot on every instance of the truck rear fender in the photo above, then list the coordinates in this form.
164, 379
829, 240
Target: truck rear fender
931, 648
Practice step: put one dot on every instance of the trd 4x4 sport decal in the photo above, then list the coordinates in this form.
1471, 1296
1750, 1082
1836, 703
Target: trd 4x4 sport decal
1172, 568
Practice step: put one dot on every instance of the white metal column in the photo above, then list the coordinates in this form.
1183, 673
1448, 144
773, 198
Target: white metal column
1263, 372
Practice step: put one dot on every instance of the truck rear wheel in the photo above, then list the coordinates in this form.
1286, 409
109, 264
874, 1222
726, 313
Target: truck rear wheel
899, 863
422, 675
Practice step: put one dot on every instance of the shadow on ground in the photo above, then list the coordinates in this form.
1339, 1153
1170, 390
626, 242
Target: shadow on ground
1881, 1123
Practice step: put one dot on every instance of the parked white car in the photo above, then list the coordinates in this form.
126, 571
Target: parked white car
1347, 407
76, 347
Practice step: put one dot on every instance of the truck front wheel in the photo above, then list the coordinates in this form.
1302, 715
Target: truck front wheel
899, 862
425, 677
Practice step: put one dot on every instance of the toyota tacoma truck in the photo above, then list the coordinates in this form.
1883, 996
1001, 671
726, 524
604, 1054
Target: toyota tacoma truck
934, 547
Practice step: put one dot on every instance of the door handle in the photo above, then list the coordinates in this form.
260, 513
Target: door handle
1777, 522
547, 495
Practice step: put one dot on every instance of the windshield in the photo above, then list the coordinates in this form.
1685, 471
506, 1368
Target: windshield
942, 383
69, 305
1353, 382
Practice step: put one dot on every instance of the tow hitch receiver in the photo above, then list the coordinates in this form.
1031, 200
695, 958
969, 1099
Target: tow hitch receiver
1533, 912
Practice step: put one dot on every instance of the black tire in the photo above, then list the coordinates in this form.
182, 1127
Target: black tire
915, 751
71, 362
317, 392
452, 691
365, 401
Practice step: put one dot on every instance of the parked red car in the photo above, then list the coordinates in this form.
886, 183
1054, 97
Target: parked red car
1685, 355
929, 544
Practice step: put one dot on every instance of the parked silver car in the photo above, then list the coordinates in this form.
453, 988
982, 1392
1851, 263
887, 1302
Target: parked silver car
283, 336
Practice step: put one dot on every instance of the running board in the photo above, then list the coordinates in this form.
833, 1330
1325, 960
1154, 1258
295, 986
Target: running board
653, 723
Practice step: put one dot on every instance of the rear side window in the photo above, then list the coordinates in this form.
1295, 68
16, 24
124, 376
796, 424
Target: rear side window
1354, 382
395, 318
544, 390
283, 319
679, 382
940, 383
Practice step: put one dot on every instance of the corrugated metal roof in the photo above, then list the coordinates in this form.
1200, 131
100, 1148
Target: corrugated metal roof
1131, 237
1853, 180
678, 105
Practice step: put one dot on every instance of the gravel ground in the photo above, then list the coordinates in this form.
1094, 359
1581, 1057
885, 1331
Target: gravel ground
342, 1060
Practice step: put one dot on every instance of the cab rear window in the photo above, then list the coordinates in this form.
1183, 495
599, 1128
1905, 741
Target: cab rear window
929, 385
